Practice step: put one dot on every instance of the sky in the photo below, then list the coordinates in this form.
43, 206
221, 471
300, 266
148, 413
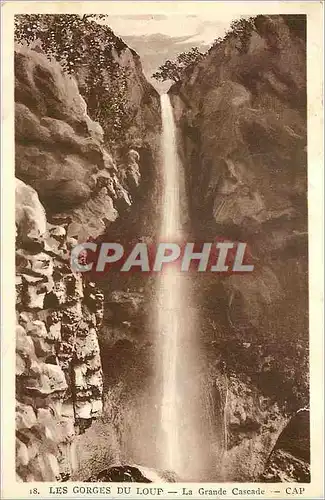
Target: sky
199, 28
157, 37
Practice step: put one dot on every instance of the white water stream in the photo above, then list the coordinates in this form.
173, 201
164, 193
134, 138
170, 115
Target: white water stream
170, 293
182, 435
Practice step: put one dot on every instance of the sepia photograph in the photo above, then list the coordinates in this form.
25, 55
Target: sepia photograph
162, 250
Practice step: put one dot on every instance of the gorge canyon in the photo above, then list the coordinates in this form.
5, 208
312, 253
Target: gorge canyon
102, 393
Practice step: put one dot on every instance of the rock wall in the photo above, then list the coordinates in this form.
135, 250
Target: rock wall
58, 375
60, 151
241, 115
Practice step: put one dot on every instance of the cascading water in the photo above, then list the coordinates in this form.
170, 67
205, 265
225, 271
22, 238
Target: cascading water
183, 440
160, 413
170, 293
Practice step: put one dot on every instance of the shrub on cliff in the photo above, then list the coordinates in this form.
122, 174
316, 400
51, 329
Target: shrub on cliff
84, 48
174, 70
240, 29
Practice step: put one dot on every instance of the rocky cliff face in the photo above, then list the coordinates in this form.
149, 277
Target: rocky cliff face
58, 376
60, 150
75, 179
241, 114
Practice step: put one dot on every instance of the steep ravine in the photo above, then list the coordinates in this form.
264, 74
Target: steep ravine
241, 116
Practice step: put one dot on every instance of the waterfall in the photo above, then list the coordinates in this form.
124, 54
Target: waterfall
181, 440
170, 293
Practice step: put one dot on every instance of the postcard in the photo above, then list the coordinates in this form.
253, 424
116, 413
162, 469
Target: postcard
162, 236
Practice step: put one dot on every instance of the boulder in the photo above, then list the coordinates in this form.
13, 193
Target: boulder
289, 460
133, 474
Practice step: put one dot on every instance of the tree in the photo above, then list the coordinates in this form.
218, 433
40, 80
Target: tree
174, 70
242, 30
168, 71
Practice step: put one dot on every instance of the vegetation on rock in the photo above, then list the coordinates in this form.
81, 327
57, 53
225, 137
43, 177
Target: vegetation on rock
87, 50
241, 29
